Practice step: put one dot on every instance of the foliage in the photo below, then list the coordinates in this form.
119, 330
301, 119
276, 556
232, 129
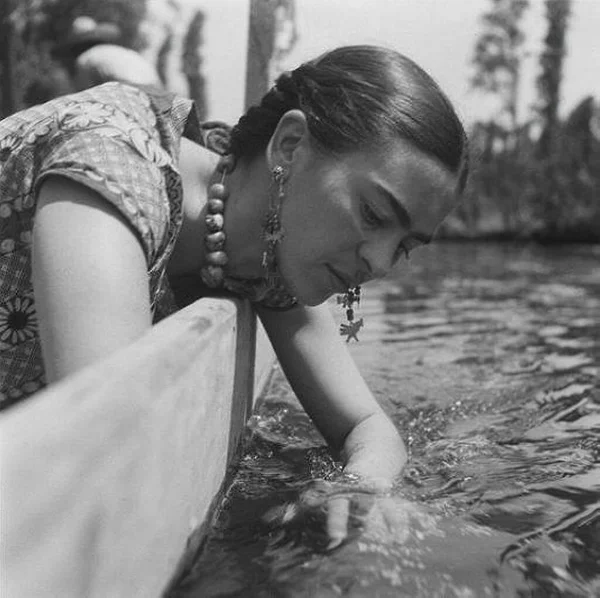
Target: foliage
498, 54
549, 79
272, 36
162, 60
540, 178
32, 28
49, 20
192, 63
515, 193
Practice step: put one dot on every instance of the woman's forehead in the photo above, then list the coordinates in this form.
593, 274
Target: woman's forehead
401, 167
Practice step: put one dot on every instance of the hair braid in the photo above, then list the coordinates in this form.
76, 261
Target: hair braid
358, 97
254, 129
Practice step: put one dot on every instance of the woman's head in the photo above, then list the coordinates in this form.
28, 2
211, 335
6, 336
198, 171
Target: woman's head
347, 220
374, 155
360, 97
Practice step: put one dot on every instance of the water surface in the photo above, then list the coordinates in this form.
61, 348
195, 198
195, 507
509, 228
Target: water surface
487, 357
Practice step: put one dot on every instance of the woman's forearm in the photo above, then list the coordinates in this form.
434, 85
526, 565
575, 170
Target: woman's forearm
374, 450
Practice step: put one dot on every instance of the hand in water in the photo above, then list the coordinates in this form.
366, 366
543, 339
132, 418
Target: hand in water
327, 513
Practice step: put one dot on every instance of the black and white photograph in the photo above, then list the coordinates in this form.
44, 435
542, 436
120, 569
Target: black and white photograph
300, 298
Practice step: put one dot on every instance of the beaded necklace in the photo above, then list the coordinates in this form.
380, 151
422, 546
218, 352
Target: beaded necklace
213, 273
268, 291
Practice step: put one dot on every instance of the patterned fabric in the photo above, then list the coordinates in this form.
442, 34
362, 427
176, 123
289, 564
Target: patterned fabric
119, 141
275, 296
122, 142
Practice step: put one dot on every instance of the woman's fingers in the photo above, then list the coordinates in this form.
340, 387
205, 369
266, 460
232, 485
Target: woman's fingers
338, 513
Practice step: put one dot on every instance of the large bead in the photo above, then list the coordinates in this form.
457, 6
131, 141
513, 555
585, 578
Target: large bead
216, 206
212, 276
218, 191
214, 222
215, 241
217, 258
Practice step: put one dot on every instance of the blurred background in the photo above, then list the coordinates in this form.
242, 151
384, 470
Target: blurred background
523, 74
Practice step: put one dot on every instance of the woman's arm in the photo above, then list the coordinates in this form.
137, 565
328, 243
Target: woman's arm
327, 382
89, 278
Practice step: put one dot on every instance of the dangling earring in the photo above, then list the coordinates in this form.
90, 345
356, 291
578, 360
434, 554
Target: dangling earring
347, 300
272, 232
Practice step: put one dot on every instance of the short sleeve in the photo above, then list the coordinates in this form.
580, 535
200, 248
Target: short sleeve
119, 172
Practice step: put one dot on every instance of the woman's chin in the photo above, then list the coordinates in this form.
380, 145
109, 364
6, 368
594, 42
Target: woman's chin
314, 298
308, 294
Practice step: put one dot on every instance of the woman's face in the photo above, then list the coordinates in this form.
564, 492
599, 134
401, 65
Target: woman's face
348, 220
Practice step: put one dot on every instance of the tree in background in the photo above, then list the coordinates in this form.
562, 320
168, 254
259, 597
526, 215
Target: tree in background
162, 58
498, 55
51, 20
497, 62
30, 30
539, 178
568, 169
272, 35
550, 77
192, 63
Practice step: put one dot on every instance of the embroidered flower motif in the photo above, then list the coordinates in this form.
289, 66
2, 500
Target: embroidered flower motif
23, 202
124, 121
40, 129
18, 320
149, 148
85, 115
7, 145
141, 97
7, 246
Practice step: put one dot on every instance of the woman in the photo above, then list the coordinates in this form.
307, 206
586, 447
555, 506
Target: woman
349, 163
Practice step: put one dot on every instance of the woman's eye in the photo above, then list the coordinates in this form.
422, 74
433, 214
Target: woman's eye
370, 216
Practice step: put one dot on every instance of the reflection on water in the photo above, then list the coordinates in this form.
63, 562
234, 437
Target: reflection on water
488, 358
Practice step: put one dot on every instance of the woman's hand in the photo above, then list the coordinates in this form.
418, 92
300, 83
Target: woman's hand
374, 455
331, 389
329, 513
348, 511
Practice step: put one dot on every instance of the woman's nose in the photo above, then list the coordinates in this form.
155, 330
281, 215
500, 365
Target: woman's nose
379, 256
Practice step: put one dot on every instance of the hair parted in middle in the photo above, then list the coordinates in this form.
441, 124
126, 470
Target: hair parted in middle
357, 97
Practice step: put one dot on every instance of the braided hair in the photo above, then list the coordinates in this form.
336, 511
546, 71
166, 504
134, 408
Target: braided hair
356, 97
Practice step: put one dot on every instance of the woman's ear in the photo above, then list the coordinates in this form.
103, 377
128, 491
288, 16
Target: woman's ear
291, 133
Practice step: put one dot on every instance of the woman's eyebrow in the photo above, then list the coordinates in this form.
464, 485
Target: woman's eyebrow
423, 238
402, 214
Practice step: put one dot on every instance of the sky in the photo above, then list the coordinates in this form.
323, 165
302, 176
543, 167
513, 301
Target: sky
438, 34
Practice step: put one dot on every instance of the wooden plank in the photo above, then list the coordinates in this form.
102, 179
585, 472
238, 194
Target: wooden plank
105, 475
261, 38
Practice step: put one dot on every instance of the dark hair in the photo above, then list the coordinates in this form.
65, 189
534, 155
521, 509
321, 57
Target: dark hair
360, 96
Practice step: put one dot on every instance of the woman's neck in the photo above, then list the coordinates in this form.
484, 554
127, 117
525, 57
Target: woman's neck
196, 166
248, 187
245, 212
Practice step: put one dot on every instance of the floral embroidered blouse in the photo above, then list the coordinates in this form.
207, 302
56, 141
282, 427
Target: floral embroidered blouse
122, 142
